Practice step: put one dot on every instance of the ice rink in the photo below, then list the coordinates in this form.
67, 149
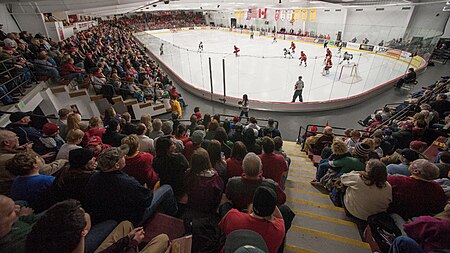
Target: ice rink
261, 71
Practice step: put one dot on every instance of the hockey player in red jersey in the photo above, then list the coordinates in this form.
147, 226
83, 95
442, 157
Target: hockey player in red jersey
292, 48
236, 50
302, 58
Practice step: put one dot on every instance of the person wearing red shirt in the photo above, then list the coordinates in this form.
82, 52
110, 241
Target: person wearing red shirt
95, 128
196, 142
273, 165
418, 194
264, 217
96, 145
234, 163
69, 71
139, 164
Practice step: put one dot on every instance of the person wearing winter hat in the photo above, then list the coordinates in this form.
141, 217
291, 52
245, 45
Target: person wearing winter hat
50, 138
245, 241
355, 162
264, 217
197, 138
71, 182
406, 157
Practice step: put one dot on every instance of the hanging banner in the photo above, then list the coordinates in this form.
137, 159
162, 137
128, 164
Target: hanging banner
283, 15
312, 15
262, 13
254, 13
289, 15
277, 15
304, 15
297, 14
239, 14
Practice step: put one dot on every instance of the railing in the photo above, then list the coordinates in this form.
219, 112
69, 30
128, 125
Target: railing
15, 80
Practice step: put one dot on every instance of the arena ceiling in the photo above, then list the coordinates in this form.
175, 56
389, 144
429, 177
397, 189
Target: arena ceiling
111, 7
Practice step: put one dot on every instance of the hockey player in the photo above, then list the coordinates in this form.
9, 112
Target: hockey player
274, 38
287, 53
236, 51
346, 57
161, 49
292, 48
302, 58
328, 65
200, 47
251, 34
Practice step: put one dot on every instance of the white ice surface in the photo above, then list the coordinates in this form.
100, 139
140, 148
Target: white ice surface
261, 71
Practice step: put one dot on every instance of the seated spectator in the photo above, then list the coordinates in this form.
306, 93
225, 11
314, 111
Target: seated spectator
204, 186
95, 128
372, 182
62, 121
237, 134
244, 240
112, 136
96, 146
156, 132
50, 138
316, 143
29, 185
271, 126
410, 77
212, 127
425, 234
196, 142
139, 164
146, 144
418, 146
20, 124
429, 198
181, 134
52, 233
167, 128
225, 145
217, 158
240, 189
74, 138
69, 71
113, 195
441, 105
72, 180
407, 156
249, 139
339, 151
278, 149
234, 163
264, 217
170, 165
15, 224
378, 120
126, 126
43, 67
253, 124
404, 136
273, 165
194, 123
444, 164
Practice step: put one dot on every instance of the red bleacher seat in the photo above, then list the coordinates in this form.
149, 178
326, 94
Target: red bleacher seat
162, 223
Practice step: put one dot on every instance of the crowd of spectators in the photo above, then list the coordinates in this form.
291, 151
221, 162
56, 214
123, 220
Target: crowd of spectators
110, 175
387, 161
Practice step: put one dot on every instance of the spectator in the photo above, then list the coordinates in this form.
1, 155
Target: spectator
176, 107
126, 125
249, 139
74, 138
271, 127
355, 136
192, 127
196, 141
211, 132
20, 124
50, 138
167, 129
372, 182
273, 165
217, 158
146, 119
62, 122
95, 128
429, 198
203, 185
15, 224
234, 163
72, 180
264, 217
318, 142
29, 185
43, 67
117, 196
404, 136
170, 165
112, 136
156, 132
407, 156
441, 105
139, 164
181, 134
96, 146
410, 77
145, 143
70, 72
279, 149
418, 146
52, 233
225, 145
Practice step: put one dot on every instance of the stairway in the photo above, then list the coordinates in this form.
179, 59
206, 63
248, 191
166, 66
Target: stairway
319, 226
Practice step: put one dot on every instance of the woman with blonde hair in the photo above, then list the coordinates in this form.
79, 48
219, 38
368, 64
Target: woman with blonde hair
73, 138
73, 122
95, 127
339, 151
146, 119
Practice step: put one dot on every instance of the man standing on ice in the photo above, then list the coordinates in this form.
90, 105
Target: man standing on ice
299, 85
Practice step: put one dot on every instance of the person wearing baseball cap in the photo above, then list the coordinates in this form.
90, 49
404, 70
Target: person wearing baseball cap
406, 157
96, 145
50, 138
114, 195
245, 241
264, 218
20, 124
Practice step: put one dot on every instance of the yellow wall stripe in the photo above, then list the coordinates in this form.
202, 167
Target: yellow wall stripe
331, 237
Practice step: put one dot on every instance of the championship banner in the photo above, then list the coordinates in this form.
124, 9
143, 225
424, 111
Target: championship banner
262, 13
249, 14
254, 13
290, 15
283, 15
394, 53
239, 14
304, 15
277, 15
297, 14
312, 15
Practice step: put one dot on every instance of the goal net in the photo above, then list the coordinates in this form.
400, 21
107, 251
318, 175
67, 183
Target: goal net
349, 73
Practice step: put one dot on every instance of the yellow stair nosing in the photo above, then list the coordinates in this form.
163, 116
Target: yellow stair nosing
325, 218
313, 203
298, 249
317, 194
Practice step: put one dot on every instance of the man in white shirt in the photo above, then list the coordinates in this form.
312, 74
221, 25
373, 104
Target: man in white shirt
146, 144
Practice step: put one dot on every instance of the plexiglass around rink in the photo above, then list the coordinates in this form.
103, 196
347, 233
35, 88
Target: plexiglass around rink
265, 73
